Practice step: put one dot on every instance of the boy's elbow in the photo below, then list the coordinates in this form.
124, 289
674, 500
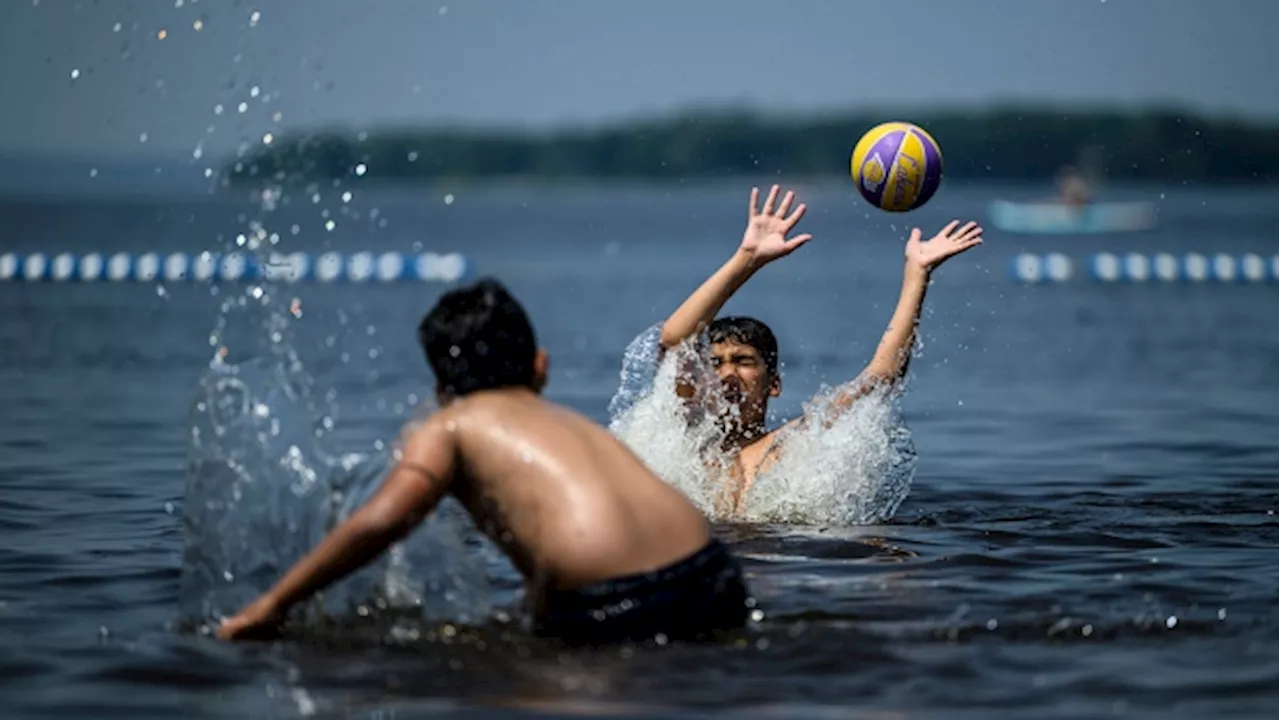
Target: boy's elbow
668, 338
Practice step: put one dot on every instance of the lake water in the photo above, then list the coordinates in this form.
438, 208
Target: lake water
1091, 528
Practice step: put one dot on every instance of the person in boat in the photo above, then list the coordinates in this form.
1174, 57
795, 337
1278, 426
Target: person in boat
1073, 188
609, 552
744, 350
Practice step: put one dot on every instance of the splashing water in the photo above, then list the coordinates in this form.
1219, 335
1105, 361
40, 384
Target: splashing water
264, 486
854, 470
668, 433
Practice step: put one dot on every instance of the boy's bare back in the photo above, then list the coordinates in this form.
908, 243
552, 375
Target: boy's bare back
568, 502
609, 552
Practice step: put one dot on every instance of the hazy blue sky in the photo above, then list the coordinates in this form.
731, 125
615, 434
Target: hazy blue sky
526, 62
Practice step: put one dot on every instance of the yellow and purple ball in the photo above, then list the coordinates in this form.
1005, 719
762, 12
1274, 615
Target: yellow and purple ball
897, 166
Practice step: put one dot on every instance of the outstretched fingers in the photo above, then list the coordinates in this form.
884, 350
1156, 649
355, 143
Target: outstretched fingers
786, 204
950, 228
969, 230
768, 201
794, 217
797, 241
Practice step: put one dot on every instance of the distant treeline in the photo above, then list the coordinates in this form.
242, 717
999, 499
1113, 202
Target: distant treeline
995, 145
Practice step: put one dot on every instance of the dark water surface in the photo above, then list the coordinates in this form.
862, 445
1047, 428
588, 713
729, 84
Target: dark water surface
1091, 530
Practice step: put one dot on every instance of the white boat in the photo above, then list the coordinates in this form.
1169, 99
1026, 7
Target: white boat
1060, 218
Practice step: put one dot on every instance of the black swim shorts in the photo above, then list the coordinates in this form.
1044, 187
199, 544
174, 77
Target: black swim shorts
690, 599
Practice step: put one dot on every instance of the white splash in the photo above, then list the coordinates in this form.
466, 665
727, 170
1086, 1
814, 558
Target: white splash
264, 485
854, 470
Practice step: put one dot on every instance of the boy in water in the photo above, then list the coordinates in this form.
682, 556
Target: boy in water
609, 551
744, 351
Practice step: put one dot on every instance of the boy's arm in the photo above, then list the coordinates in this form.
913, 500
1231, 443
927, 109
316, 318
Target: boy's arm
410, 491
763, 242
889, 364
696, 312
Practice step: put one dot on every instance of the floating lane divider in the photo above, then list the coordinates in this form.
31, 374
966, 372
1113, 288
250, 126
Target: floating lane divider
329, 267
1219, 268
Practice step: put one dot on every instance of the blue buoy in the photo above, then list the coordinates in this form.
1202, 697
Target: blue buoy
329, 267
1139, 268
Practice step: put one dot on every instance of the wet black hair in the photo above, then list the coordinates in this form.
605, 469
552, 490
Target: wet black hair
750, 332
478, 337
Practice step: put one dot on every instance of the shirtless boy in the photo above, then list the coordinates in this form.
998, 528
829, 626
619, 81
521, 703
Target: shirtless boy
744, 350
609, 552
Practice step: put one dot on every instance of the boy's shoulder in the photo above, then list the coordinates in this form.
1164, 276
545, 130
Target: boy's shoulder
479, 409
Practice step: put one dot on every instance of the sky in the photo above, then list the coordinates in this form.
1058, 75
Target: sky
167, 77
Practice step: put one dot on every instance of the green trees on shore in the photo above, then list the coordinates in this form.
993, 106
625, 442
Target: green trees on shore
1000, 144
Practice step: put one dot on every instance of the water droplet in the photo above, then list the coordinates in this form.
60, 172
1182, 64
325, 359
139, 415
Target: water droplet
254, 18
1171, 621
361, 169
444, 9
162, 34
198, 25
93, 172
448, 199
242, 107
75, 73
992, 624
346, 196
142, 137
413, 156
329, 225
255, 91
268, 138
1222, 613
116, 27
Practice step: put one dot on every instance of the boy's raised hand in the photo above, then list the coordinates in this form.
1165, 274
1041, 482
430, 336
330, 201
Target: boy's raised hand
925, 256
765, 238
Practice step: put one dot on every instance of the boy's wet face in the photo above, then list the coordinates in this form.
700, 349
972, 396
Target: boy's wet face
744, 377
